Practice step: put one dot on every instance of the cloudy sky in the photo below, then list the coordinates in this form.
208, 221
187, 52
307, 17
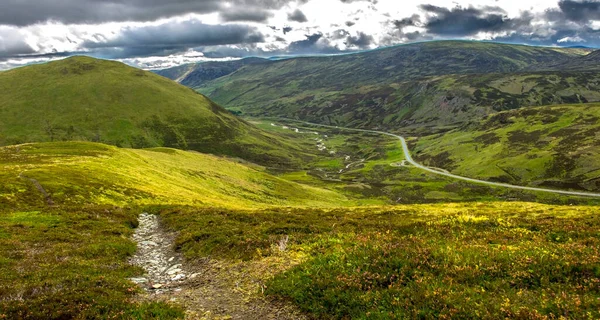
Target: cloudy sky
159, 33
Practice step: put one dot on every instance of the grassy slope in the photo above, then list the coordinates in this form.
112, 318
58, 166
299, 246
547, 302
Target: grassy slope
71, 263
550, 146
390, 87
77, 173
194, 75
476, 260
70, 259
87, 99
586, 62
507, 259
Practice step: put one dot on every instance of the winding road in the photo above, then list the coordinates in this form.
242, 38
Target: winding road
410, 160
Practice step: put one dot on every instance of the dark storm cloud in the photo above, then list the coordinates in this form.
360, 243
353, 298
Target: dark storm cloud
339, 34
12, 43
309, 42
27, 12
287, 29
580, 11
362, 40
42, 56
297, 16
464, 21
244, 14
171, 38
313, 44
407, 22
12, 49
416, 35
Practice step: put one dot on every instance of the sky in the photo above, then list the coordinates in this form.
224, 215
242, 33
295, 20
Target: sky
154, 34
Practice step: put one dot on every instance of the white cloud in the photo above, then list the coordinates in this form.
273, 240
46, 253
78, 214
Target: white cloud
571, 39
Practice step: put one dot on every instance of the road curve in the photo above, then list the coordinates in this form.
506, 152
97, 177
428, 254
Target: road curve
450, 175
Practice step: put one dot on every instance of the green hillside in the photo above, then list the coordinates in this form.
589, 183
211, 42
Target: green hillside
552, 146
65, 254
432, 83
82, 173
87, 99
588, 62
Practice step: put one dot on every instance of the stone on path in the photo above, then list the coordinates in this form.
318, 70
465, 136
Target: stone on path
155, 256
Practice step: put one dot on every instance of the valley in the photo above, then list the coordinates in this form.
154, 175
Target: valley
409, 160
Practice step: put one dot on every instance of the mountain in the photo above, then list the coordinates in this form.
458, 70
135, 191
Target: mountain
432, 84
86, 99
194, 75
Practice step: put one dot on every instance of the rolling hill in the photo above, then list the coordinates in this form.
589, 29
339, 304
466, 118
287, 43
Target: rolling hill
550, 146
86, 99
589, 62
432, 84
84, 173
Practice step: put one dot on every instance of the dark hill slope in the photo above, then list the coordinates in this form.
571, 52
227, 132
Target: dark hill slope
87, 99
195, 75
587, 63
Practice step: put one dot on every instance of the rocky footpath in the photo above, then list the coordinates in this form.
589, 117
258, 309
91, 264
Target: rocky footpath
164, 270
205, 288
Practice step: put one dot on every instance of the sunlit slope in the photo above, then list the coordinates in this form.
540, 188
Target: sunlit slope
553, 146
87, 99
79, 173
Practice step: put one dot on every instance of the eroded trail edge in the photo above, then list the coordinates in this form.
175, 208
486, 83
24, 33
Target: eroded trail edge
205, 288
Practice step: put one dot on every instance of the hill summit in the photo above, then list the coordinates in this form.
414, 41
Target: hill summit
87, 99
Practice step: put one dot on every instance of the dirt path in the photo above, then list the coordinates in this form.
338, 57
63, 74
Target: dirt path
207, 289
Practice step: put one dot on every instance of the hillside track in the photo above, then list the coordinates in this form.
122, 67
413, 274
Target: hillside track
410, 160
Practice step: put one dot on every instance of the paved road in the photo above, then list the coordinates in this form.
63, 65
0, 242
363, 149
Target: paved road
410, 160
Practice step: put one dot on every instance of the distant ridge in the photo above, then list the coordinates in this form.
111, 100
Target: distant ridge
420, 86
